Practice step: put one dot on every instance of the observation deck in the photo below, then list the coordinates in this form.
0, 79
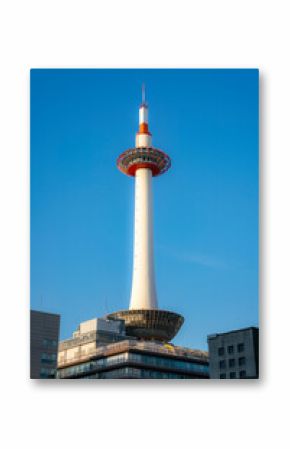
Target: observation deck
145, 157
149, 324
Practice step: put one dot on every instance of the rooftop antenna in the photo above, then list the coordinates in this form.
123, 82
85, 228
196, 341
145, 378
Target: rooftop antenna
143, 94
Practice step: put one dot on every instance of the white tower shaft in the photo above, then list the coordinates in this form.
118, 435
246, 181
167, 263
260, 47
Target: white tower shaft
143, 294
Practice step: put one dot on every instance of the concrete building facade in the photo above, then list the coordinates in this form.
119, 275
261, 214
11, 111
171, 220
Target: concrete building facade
101, 350
44, 336
234, 354
89, 336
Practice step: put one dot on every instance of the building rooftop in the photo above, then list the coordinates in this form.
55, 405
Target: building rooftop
231, 332
44, 313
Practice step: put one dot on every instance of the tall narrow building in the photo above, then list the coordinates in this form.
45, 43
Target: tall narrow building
144, 162
44, 335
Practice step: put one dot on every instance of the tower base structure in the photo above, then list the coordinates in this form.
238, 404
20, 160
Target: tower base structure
149, 324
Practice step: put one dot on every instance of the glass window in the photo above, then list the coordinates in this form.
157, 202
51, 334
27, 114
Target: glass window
242, 374
137, 373
222, 364
149, 360
47, 373
230, 349
241, 347
232, 375
223, 376
48, 358
232, 363
48, 343
221, 351
168, 362
242, 361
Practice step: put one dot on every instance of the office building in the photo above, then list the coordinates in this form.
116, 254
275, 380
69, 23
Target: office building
100, 349
234, 354
44, 335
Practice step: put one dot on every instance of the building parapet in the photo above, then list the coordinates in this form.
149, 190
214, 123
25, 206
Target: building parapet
145, 346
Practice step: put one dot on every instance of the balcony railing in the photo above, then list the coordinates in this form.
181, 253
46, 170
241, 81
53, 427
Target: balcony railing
115, 348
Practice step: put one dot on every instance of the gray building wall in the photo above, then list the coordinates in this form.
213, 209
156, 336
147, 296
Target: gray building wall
44, 336
234, 354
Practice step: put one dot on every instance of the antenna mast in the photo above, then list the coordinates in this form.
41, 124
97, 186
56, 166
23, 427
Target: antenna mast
143, 94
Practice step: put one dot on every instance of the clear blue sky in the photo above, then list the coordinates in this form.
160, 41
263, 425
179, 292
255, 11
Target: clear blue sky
205, 206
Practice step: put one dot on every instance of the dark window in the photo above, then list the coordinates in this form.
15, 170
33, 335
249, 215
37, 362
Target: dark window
47, 373
221, 351
242, 361
222, 364
242, 374
115, 360
48, 343
241, 347
223, 376
232, 363
232, 375
230, 349
48, 358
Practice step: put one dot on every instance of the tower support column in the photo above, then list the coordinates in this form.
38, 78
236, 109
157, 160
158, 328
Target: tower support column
143, 295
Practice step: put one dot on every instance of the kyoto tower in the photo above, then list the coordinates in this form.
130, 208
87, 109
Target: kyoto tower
144, 162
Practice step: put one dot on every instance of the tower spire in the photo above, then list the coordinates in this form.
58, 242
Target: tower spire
143, 137
143, 94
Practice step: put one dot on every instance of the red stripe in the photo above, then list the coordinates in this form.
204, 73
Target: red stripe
143, 128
